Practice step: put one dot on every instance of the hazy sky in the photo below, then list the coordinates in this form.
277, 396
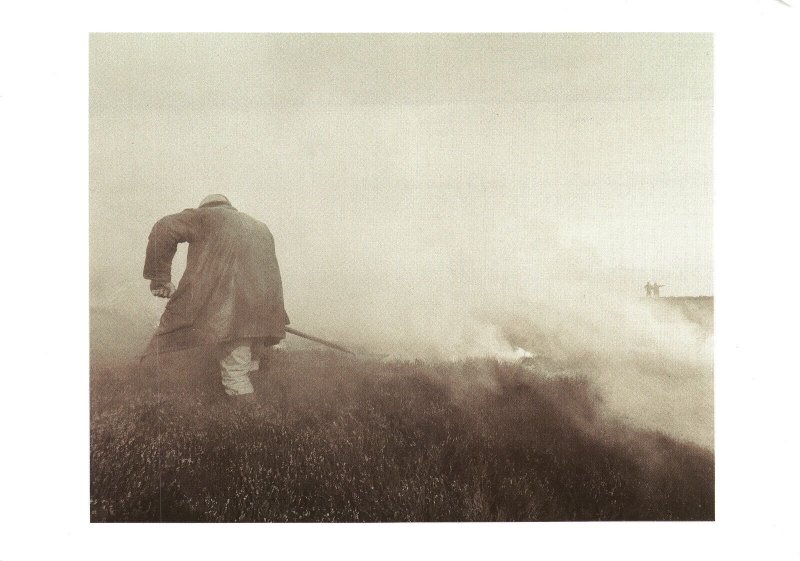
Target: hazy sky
447, 170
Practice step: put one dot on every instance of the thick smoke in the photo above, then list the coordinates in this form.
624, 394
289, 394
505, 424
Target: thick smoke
510, 203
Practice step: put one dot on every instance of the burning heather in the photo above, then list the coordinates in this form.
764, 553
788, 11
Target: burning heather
355, 439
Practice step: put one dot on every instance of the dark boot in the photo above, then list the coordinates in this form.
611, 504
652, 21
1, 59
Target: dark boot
248, 398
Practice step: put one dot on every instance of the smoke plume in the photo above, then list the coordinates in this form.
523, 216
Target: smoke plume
431, 197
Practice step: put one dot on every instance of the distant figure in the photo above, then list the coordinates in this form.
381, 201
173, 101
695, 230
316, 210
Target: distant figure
656, 288
230, 295
648, 288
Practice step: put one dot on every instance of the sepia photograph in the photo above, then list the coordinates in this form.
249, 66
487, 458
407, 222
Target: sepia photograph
399, 281
401, 277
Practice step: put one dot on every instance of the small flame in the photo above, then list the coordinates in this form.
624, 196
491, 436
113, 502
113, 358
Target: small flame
520, 353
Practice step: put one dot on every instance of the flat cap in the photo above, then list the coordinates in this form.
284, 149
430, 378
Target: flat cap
214, 200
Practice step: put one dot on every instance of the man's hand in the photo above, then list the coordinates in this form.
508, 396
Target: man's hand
162, 290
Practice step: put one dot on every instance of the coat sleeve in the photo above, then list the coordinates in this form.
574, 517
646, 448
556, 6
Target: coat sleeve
273, 258
163, 242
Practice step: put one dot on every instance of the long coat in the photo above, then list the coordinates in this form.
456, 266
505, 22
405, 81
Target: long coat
231, 288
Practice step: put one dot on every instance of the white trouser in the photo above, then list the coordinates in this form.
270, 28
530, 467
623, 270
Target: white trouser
236, 364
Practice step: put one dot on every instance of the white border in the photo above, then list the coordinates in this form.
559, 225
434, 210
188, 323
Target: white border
44, 407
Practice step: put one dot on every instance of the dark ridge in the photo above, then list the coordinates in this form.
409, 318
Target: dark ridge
342, 439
